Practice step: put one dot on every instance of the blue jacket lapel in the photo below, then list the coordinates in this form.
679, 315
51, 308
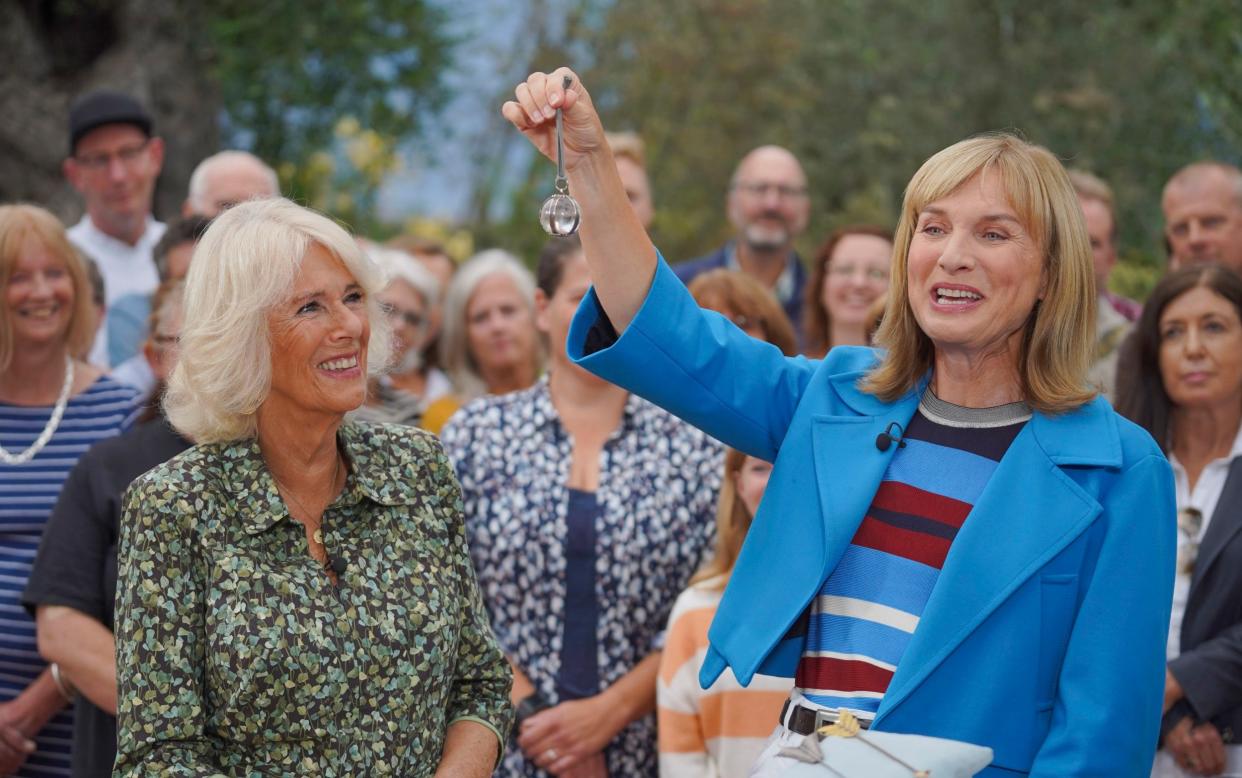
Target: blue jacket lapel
1029, 511
775, 578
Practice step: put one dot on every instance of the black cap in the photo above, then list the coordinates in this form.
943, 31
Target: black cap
95, 109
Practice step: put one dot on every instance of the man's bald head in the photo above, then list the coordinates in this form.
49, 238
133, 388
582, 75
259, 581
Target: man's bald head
227, 178
768, 201
1202, 206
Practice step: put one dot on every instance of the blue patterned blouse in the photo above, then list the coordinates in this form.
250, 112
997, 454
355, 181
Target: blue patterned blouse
658, 482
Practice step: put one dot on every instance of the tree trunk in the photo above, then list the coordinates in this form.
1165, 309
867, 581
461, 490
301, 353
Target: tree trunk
53, 50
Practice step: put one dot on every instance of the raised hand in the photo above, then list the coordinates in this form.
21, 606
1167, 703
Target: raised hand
533, 111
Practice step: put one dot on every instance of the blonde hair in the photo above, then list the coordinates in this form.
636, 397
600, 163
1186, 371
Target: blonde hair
17, 223
628, 145
455, 354
1059, 336
733, 520
245, 264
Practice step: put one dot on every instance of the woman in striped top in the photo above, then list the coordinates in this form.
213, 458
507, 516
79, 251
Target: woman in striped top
958, 539
53, 407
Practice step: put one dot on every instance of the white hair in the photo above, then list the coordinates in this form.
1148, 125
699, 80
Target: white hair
401, 266
245, 264
198, 179
455, 354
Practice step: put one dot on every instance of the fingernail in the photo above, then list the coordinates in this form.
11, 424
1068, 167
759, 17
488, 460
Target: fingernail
549, 113
555, 98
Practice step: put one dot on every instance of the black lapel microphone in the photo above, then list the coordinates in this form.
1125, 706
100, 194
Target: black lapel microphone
887, 438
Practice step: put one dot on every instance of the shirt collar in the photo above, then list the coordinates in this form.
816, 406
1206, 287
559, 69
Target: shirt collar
786, 284
380, 470
151, 234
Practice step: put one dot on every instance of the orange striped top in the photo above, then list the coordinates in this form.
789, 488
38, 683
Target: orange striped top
718, 731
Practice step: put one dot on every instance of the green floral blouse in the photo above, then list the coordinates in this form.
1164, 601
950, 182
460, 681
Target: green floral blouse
236, 654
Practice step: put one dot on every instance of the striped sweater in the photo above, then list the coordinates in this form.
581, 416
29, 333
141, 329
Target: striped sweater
868, 608
27, 493
719, 731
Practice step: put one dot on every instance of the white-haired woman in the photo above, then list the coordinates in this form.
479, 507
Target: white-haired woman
958, 538
295, 594
490, 344
411, 384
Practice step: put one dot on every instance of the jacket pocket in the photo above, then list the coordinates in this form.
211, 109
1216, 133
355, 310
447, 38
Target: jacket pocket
1058, 598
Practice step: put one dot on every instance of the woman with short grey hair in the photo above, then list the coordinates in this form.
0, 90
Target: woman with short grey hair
295, 593
490, 343
412, 383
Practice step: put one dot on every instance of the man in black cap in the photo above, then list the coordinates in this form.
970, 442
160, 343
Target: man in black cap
114, 160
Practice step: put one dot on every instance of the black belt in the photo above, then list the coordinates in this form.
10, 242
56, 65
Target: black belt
804, 721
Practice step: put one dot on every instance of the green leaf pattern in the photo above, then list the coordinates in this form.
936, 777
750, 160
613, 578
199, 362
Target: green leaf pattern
238, 656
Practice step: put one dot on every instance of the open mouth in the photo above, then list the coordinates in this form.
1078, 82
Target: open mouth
41, 312
945, 295
340, 365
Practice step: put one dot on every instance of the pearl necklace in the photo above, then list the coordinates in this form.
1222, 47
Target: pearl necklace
52, 423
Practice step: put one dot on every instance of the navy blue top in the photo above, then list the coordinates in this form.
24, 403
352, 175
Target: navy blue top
27, 494
579, 673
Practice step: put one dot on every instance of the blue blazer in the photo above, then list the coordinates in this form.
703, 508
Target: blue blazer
1044, 636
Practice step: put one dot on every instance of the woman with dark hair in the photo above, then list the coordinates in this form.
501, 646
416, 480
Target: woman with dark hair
1181, 379
849, 273
587, 510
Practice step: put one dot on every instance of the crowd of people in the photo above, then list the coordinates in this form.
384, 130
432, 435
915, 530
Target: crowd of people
279, 499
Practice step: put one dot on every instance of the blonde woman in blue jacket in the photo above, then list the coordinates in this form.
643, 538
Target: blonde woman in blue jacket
958, 539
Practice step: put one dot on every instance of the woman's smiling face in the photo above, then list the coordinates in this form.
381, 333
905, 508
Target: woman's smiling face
319, 337
975, 273
39, 295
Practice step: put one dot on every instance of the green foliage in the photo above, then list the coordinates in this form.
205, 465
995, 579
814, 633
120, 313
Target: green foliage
289, 71
864, 91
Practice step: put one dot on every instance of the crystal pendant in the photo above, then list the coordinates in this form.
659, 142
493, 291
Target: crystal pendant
560, 215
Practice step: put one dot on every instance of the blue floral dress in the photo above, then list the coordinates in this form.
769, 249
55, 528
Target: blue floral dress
658, 485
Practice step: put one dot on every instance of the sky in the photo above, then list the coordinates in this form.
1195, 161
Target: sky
436, 177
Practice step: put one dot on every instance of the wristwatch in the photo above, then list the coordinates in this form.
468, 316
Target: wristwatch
530, 705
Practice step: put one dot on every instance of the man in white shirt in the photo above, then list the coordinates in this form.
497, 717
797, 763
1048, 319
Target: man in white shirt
113, 162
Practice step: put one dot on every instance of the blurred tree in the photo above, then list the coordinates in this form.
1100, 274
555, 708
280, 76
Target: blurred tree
291, 71
864, 91
276, 76
53, 50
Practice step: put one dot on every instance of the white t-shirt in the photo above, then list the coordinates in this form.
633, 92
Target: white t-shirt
129, 277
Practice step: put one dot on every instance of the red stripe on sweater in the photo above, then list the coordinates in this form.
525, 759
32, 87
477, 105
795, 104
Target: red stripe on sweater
903, 498
843, 675
919, 546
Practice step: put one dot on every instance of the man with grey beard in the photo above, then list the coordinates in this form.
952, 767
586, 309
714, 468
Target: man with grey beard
768, 206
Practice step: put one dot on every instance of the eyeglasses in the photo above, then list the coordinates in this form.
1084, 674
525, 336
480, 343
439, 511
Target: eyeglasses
411, 319
847, 270
759, 189
166, 341
1189, 524
129, 156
